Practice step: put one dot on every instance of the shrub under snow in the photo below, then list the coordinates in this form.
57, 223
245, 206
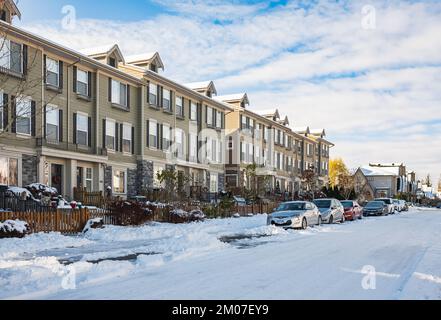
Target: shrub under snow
14, 229
97, 223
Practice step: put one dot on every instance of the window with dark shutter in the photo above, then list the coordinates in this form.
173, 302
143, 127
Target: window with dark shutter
110, 90
75, 71
61, 74
60, 120
89, 80
104, 134
128, 96
116, 137
148, 133
25, 59
89, 136
133, 140
74, 125
121, 135
5, 112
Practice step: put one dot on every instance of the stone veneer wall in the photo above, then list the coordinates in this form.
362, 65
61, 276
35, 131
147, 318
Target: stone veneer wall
144, 179
221, 182
107, 178
132, 183
29, 169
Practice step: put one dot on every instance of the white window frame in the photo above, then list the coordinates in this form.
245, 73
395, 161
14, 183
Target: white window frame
193, 148
193, 111
56, 63
179, 106
127, 126
153, 91
214, 183
52, 108
166, 97
28, 101
153, 131
180, 143
166, 136
210, 116
124, 182
5, 54
218, 119
110, 125
117, 96
81, 72
86, 116
88, 179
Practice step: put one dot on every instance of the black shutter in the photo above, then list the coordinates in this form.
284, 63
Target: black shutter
61, 72
25, 59
158, 136
5, 112
104, 134
133, 140
206, 114
148, 134
161, 144
189, 108
74, 128
60, 125
159, 103
110, 89
89, 84
223, 120
89, 132
148, 92
183, 106
13, 115
128, 96
171, 101
45, 69
75, 71
121, 132
116, 137
45, 121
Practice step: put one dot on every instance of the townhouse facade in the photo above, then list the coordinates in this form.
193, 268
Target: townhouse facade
98, 120
280, 153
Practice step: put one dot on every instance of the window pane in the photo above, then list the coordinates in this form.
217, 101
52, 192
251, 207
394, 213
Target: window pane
52, 65
52, 115
16, 57
123, 97
13, 172
4, 53
82, 123
110, 135
119, 181
3, 170
82, 88
82, 138
116, 91
52, 132
82, 76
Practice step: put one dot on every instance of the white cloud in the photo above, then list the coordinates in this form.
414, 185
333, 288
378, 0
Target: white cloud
293, 58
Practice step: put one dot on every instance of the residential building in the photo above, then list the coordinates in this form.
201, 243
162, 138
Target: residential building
98, 120
103, 121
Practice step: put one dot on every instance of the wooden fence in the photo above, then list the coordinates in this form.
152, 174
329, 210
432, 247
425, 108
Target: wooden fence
89, 198
64, 221
72, 221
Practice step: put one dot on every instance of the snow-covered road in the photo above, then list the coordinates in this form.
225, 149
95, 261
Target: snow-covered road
231, 259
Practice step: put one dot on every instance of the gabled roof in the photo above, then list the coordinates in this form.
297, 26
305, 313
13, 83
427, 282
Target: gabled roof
301, 130
232, 98
146, 58
284, 122
202, 85
318, 132
105, 50
269, 113
369, 171
13, 7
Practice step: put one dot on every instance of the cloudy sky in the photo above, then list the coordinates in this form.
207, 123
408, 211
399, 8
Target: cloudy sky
367, 71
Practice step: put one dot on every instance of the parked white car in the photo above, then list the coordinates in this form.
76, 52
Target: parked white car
390, 204
331, 210
296, 215
400, 205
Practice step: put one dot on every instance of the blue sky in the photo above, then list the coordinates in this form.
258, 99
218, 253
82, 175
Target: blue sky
371, 78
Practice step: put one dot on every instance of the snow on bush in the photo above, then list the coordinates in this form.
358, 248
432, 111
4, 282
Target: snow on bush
181, 216
41, 188
20, 191
14, 229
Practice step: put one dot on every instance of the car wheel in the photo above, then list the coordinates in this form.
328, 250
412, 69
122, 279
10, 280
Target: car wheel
331, 219
360, 217
343, 219
304, 224
319, 221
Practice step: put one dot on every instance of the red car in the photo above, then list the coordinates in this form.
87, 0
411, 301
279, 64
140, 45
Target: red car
353, 210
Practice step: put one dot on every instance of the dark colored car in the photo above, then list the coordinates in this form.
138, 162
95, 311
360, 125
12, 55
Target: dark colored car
376, 208
353, 210
438, 206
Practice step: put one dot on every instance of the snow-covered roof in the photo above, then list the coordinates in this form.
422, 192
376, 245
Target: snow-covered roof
202, 85
103, 50
301, 130
242, 97
377, 171
269, 113
146, 58
318, 132
13, 7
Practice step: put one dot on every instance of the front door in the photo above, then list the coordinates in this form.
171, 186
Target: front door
57, 177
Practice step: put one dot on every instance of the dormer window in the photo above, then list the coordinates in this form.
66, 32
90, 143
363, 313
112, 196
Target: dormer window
112, 62
153, 68
3, 15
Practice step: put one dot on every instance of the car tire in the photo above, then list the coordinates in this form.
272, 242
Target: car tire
320, 221
343, 219
360, 217
304, 224
331, 219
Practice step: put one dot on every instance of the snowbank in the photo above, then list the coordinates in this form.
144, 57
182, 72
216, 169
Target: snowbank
13, 229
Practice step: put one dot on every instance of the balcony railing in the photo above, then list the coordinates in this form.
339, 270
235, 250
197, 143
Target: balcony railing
66, 146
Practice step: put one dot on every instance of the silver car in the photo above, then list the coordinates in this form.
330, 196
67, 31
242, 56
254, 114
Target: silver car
331, 210
296, 215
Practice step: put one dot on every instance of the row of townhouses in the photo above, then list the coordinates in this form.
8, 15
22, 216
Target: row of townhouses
100, 120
